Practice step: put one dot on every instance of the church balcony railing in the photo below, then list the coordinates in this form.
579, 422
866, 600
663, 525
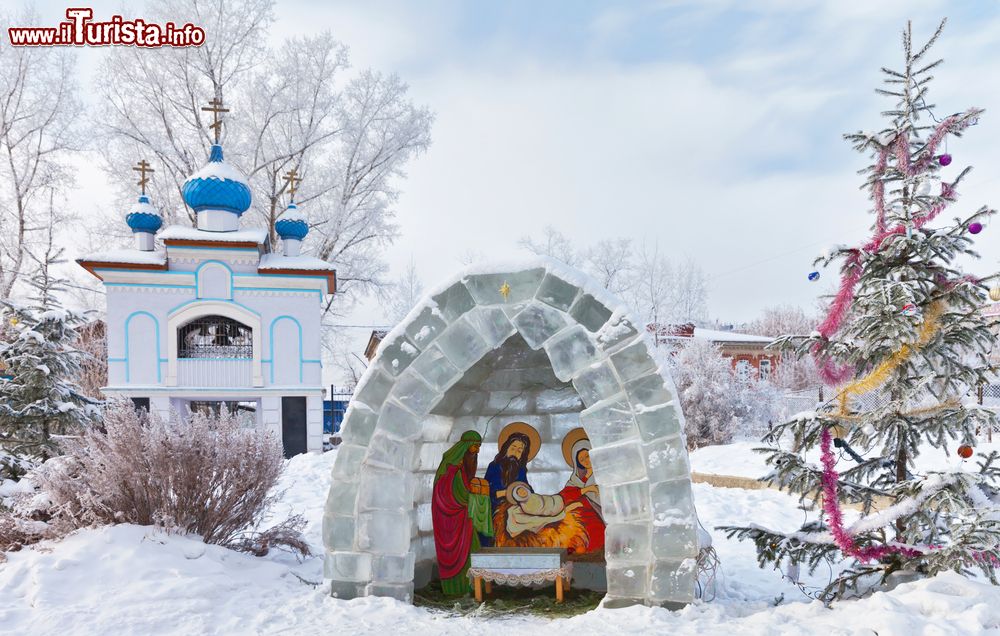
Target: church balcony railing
215, 372
216, 351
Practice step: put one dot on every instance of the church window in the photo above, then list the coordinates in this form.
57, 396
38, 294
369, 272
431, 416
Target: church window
215, 337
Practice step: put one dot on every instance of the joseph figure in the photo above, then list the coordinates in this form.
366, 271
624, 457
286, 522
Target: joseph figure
460, 511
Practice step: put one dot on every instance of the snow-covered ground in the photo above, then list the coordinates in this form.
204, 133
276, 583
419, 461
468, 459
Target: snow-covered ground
135, 580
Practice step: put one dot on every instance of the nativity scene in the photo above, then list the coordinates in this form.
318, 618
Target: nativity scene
515, 428
569, 519
502, 510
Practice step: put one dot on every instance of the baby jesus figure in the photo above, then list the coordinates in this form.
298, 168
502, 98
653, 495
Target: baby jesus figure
530, 512
572, 519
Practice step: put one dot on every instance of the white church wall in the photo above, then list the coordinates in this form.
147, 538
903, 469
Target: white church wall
136, 333
314, 422
162, 300
292, 320
270, 414
160, 405
215, 281
190, 258
142, 339
285, 335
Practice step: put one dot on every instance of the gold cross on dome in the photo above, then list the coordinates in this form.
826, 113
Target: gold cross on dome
292, 180
505, 290
215, 107
142, 168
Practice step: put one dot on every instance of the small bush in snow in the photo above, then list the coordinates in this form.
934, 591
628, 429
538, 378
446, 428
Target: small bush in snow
203, 475
717, 405
706, 389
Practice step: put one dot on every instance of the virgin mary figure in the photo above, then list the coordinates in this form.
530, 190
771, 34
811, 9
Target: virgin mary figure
581, 488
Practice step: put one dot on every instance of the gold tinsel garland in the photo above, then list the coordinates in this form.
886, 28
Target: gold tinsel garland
879, 374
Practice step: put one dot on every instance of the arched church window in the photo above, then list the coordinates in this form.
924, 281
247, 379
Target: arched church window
214, 337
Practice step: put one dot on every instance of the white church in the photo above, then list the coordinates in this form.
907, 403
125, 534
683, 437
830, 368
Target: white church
205, 317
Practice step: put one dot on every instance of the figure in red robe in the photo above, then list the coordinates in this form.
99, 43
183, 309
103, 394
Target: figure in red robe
582, 488
460, 510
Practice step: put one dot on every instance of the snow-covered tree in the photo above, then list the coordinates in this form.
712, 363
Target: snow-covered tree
793, 372
908, 322
664, 292
39, 125
707, 391
39, 397
296, 105
650, 294
782, 320
689, 293
758, 404
402, 294
552, 243
610, 262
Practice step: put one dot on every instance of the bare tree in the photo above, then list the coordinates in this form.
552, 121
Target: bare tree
708, 392
689, 293
39, 112
341, 354
650, 294
552, 243
660, 291
610, 262
793, 372
400, 296
782, 320
93, 373
294, 107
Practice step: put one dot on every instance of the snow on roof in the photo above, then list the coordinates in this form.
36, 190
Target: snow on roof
219, 170
279, 261
130, 256
293, 213
728, 336
182, 233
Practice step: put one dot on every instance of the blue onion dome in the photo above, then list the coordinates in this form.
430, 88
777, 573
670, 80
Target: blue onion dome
292, 225
217, 186
144, 218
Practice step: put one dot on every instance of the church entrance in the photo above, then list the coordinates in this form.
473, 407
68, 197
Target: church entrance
293, 425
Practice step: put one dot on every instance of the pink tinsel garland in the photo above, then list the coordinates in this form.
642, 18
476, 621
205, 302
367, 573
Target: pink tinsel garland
834, 516
831, 505
831, 373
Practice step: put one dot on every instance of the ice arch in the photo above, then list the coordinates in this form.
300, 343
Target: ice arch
511, 342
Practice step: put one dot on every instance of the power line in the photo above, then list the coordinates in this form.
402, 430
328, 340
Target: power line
385, 327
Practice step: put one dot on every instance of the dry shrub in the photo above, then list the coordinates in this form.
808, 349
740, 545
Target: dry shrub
202, 474
17, 532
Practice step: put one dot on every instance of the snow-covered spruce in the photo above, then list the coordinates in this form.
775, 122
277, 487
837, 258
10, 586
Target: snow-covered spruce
39, 361
906, 322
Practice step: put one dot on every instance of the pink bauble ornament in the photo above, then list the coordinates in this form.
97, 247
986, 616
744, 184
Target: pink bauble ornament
975, 228
944, 159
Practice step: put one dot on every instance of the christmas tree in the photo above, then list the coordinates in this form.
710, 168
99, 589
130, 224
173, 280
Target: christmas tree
904, 343
39, 398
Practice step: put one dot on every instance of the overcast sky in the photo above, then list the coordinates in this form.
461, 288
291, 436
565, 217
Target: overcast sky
706, 126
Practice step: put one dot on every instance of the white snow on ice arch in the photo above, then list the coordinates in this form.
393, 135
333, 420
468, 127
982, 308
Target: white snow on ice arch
556, 350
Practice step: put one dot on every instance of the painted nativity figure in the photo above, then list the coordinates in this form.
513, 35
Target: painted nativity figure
460, 512
571, 519
518, 443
